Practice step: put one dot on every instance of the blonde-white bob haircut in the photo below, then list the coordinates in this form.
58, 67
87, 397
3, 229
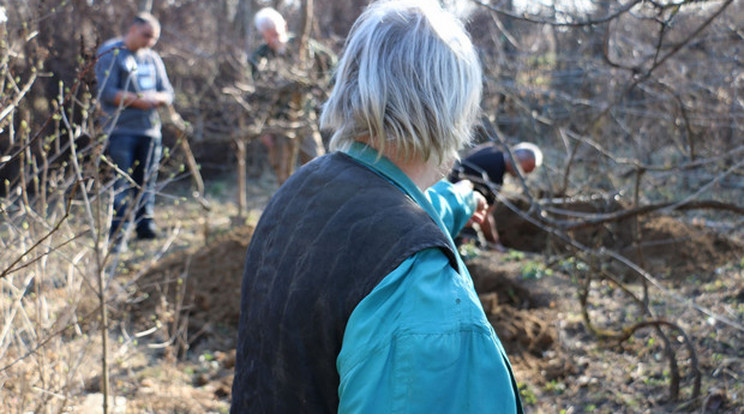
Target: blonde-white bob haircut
409, 77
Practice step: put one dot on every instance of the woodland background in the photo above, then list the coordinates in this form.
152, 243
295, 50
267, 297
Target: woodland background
626, 270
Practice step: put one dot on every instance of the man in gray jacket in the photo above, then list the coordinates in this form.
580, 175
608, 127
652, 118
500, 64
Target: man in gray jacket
133, 84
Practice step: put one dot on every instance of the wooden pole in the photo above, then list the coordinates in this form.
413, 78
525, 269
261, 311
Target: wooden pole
241, 154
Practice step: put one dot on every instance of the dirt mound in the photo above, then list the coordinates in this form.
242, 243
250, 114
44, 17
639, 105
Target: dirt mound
521, 312
537, 318
662, 245
669, 245
204, 283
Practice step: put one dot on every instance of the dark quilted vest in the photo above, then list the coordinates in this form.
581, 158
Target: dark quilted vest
326, 239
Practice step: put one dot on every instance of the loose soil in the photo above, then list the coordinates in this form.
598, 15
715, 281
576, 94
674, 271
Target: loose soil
531, 296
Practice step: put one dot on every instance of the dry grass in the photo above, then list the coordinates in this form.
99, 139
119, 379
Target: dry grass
50, 334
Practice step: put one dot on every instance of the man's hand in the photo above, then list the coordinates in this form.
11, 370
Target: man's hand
153, 99
146, 100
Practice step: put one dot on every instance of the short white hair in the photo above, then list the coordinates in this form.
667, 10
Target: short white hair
528, 149
410, 77
268, 18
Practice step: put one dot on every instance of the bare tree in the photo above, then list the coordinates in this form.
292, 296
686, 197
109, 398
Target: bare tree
637, 104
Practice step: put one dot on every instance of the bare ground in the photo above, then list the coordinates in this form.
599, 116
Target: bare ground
186, 311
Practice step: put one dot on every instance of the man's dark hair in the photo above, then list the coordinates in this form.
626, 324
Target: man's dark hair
146, 18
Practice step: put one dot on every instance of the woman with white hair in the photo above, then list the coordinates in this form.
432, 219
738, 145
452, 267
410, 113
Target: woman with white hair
354, 297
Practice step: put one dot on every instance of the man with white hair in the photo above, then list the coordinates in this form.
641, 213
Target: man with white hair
486, 165
354, 298
289, 88
273, 28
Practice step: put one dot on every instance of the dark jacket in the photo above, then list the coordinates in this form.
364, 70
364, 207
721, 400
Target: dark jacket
326, 239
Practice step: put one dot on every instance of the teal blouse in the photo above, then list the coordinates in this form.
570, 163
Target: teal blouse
420, 342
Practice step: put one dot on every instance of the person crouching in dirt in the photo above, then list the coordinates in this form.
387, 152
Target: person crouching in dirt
486, 166
277, 73
354, 297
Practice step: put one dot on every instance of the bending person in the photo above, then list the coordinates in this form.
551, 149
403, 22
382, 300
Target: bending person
486, 166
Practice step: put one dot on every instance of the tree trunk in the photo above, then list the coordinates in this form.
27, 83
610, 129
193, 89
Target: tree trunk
242, 23
307, 24
145, 6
